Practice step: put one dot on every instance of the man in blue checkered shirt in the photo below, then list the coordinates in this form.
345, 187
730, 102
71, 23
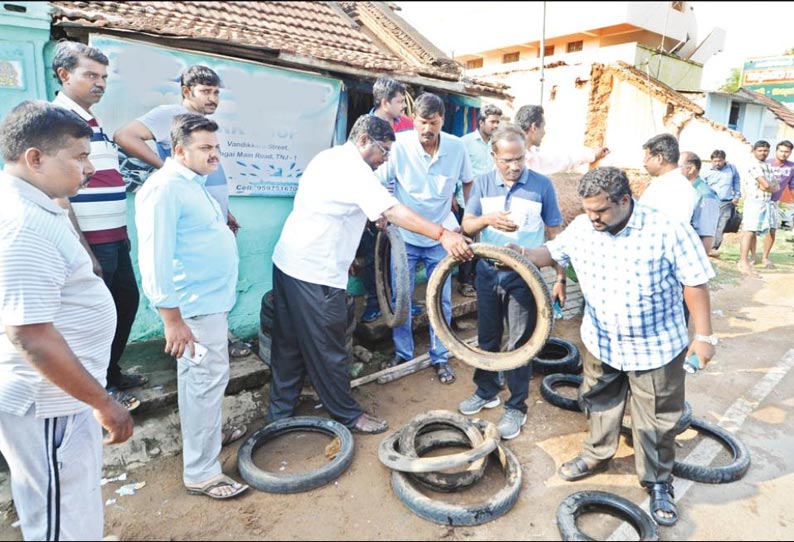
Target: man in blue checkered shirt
631, 261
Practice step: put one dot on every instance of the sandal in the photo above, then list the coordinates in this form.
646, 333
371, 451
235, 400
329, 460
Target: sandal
126, 400
394, 362
444, 372
230, 433
662, 501
369, 425
239, 348
577, 468
214, 483
131, 380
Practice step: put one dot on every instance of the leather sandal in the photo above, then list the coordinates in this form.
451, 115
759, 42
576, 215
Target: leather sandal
444, 372
577, 468
215, 483
662, 501
230, 433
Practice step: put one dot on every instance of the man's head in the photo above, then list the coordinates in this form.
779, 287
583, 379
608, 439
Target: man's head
530, 119
428, 117
488, 120
201, 89
718, 159
661, 154
373, 137
509, 151
761, 150
82, 71
783, 150
389, 97
690, 165
195, 143
606, 198
47, 146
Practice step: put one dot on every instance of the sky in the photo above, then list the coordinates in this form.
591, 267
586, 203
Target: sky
753, 29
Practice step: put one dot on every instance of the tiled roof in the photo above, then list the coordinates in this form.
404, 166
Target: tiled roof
301, 32
783, 113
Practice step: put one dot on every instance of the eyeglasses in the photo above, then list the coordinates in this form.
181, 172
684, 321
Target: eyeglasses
510, 161
383, 150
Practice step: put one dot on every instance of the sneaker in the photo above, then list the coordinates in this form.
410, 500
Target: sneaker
511, 422
127, 401
475, 403
370, 316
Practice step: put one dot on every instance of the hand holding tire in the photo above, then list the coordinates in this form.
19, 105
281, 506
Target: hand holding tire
457, 245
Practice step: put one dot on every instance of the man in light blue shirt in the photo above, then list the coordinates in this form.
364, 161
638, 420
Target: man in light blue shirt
723, 178
188, 262
425, 166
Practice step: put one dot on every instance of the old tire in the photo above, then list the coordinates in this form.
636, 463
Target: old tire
476, 513
600, 501
442, 481
390, 249
716, 475
558, 356
295, 483
550, 394
266, 313
474, 356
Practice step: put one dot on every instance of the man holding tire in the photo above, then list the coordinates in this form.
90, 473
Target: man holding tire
631, 262
337, 194
508, 205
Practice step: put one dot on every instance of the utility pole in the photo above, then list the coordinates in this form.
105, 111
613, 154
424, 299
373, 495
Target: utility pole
543, 54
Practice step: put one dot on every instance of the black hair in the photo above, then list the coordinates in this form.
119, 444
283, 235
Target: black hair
611, 180
183, 126
692, 158
374, 127
664, 145
427, 105
386, 88
718, 153
68, 54
487, 111
527, 115
199, 75
41, 125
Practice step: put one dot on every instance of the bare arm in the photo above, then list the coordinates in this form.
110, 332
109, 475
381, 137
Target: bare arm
45, 349
764, 184
500, 220
707, 241
558, 290
454, 243
132, 138
699, 303
64, 203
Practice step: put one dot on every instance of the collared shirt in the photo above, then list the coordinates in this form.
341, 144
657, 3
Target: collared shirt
479, 152
671, 194
400, 124
750, 188
531, 200
707, 209
425, 183
186, 254
336, 195
547, 163
101, 206
726, 182
784, 173
158, 121
631, 282
46, 276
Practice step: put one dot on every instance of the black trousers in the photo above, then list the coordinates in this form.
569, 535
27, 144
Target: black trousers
309, 339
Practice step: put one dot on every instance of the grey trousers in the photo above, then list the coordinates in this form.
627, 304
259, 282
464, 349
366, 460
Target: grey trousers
56, 468
657, 403
200, 396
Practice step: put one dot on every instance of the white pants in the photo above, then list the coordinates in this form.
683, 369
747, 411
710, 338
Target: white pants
56, 468
200, 390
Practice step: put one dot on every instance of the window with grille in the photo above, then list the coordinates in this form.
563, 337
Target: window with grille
510, 57
472, 64
575, 46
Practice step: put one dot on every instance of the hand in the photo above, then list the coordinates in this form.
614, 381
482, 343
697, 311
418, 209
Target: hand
231, 221
179, 339
558, 292
382, 223
455, 205
457, 245
500, 220
600, 152
95, 267
705, 352
116, 419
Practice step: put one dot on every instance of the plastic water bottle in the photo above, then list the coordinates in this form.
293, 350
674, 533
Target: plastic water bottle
557, 309
692, 364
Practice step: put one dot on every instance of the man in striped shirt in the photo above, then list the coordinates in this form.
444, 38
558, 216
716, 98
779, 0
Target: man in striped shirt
99, 210
52, 360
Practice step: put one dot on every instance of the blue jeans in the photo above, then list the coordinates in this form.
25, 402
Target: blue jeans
403, 336
114, 259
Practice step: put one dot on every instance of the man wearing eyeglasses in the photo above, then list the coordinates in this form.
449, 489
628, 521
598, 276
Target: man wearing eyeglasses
669, 192
509, 205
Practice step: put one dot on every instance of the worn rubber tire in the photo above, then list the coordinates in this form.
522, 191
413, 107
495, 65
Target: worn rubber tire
442, 481
587, 501
558, 356
265, 345
475, 356
475, 430
390, 248
266, 313
716, 475
476, 513
295, 483
551, 395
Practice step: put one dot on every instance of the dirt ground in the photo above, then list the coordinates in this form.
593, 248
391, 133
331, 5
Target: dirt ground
752, 317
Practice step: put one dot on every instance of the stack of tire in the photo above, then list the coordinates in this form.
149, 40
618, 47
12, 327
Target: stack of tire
403, 451
561, 362
267, 314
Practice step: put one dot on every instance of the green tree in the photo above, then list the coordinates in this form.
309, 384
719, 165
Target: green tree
734, 82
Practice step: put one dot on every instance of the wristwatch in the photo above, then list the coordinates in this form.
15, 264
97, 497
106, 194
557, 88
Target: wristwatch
711, 339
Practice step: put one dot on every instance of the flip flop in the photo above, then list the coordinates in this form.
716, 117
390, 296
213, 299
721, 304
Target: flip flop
239, 349
214, 483
230, 433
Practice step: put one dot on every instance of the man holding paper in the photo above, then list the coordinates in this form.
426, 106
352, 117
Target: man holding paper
510, 205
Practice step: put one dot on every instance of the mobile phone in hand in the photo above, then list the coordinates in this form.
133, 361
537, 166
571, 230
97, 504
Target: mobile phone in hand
200, 352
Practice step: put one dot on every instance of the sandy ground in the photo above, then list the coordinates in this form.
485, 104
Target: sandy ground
753, 318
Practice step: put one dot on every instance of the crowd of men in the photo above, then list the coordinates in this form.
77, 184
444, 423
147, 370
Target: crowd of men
68, 294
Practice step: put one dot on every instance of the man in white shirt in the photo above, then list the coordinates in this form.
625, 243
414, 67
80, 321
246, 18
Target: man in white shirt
669, 192
57, 321
336, 195
758, 185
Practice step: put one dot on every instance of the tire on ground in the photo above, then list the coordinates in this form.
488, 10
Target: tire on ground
553, 397
266, 313
295, 483
390, 249
558, 356
600, 501
735, 470
475, 356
